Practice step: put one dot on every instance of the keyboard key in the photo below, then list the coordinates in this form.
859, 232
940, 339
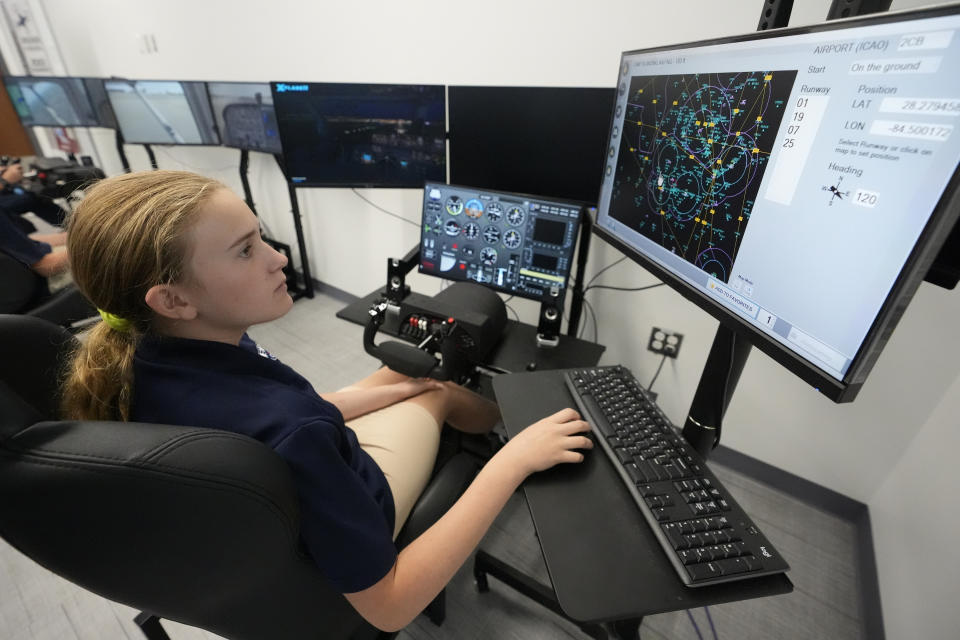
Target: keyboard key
732, 565
704, 571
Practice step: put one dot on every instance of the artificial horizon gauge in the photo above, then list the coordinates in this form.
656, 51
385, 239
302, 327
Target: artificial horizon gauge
451, 228
491, 234
488, 256
474, 208
512, 239
471, 229
435, 223
454, 205
494, 211
516, 216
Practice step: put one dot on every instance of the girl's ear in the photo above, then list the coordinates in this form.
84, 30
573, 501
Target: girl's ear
168, 301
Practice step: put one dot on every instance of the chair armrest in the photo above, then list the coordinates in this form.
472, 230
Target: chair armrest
443, 490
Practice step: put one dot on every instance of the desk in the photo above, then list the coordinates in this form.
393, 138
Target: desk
517, 348
604, 562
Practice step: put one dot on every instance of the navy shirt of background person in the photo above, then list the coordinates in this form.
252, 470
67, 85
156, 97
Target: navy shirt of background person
347, 510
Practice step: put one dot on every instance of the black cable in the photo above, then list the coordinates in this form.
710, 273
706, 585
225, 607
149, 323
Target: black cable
712, 628
662, 360
694, 623
389, 213
596, 327
604, 286
609, 266
515, 314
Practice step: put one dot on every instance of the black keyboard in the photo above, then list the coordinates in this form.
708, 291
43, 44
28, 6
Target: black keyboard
707, 536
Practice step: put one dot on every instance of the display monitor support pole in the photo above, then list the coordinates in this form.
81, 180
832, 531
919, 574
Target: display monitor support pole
583, 251
244, 166
298, 227
153, 158
725, 363
122, 153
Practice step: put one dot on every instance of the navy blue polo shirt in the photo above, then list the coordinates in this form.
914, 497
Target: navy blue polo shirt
347, 511
18, 245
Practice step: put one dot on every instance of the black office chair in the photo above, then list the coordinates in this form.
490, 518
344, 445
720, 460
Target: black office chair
24, 291
194, 525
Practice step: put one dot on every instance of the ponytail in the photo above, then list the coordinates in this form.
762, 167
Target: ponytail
99, 381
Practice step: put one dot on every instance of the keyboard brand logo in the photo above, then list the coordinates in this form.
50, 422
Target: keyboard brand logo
766, 554
281, 87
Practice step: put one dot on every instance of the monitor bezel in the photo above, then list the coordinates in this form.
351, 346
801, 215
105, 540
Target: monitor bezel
86, 93
207, 84
362, 185
163, 144
582, 208
942, 220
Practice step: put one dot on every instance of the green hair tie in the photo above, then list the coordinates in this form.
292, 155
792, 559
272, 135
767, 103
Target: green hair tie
115, 322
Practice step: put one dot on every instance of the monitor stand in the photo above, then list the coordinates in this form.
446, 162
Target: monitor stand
725, 362
153, 158
122, 153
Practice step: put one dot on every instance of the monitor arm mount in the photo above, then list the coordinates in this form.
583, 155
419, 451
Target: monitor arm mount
397, 269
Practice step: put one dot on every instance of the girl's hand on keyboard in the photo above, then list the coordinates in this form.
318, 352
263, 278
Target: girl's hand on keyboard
549, 442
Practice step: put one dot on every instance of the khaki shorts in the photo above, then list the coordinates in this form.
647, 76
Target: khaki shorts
403, 440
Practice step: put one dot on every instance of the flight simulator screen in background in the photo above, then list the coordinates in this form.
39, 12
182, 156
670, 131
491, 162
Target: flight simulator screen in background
788, 178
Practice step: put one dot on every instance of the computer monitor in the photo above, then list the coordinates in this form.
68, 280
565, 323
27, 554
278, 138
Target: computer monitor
162, 112
244, 115
511, 242
796, 184
51, 102
544, 140
361, 135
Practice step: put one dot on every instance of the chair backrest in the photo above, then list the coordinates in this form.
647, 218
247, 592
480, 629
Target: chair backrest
194, 525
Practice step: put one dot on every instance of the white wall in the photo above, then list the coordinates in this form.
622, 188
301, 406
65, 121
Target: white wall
915, 522
880, 440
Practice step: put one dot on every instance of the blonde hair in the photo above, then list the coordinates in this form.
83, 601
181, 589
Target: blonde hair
127, 235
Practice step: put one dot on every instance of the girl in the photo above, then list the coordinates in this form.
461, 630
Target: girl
176, 265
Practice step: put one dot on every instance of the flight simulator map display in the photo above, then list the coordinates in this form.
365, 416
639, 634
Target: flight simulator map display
693, 151
787, 178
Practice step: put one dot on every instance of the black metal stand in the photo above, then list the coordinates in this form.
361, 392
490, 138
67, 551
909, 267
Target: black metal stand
725, 363
151, 627
583, 251
153, 158
244, 166
298, 227
484, 564
122, 153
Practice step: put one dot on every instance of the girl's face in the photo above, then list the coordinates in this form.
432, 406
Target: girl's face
234, 278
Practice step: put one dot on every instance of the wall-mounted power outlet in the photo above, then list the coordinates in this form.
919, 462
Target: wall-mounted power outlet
665, 342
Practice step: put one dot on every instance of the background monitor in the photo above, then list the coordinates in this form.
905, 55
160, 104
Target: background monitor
362, 135
162, 112
515, 243
51, 102
244, 115
796, 184
544, 140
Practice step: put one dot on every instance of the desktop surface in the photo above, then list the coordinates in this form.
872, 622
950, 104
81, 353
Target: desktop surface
604, 561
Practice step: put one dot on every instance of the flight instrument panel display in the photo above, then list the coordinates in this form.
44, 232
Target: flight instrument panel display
519, 244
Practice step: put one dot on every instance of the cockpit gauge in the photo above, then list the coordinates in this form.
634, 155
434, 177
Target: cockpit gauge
491, 234
474, 208
494, 211
451, 228
454, 205
512, 239
471, 229
488, 256
516, 216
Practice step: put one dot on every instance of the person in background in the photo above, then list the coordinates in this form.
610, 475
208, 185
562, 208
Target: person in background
16, 201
